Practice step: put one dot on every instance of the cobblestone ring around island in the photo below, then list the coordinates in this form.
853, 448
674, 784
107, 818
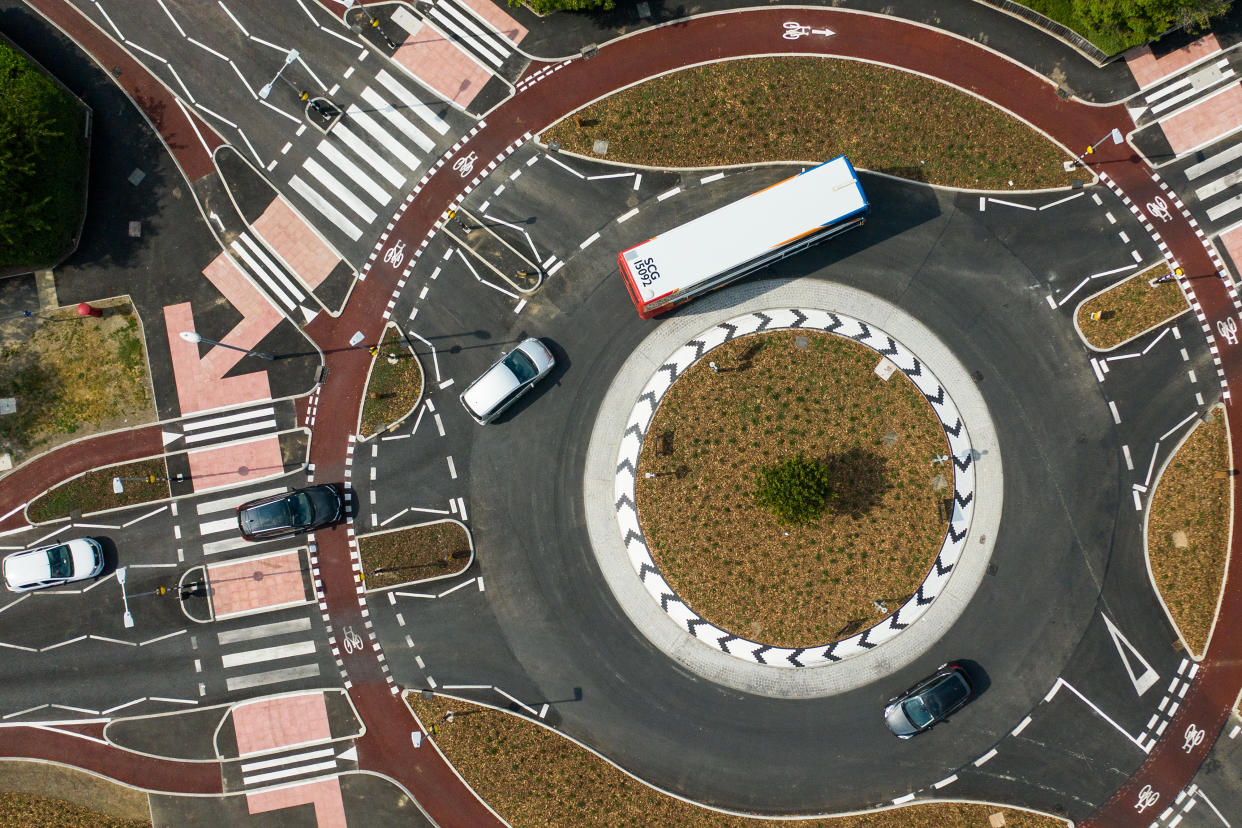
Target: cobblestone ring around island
639, 421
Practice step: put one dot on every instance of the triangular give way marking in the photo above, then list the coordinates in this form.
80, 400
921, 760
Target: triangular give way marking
351, 754
1149, 677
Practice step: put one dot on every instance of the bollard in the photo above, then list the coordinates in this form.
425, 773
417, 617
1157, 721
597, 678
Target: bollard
85, 309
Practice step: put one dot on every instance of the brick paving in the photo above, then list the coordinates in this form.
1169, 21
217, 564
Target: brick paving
495, 15
1148, 69
1204, 122
299, 246
285, 721
198, 388
325, 795
437, 63
257, 584
235, 464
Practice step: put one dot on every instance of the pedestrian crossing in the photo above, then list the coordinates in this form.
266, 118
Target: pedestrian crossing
282, 288
259, 655
218, 521
296, 764
1217, 183
368, 156
460, 24
228, 426
1183, 91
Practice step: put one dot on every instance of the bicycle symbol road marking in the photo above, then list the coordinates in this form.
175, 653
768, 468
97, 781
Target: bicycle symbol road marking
465, 164
1194, 738
1159, 209
1228, 329
395, 255
351, 640
793, 31
1146, 798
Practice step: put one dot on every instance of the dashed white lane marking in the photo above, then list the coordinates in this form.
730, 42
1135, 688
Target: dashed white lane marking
985, 758
452, 468
1112, 406
1021, 726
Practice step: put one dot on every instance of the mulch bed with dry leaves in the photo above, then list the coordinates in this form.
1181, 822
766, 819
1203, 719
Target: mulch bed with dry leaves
814, 109
1188, 530
394, 387
733, 561
533, 777
426, 551
27, 811
1131, 307
93, 491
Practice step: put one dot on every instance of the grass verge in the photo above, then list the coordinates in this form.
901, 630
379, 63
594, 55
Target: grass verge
427, 551
1130, 307
778, 395
1188, 530
395, 384
534, 777
92, 492
42, 165
75, 376
27, 811
777, 109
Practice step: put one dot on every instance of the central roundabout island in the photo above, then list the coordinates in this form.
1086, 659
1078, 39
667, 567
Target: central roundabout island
792, 490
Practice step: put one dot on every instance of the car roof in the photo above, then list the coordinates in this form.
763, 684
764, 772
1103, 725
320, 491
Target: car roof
485, 392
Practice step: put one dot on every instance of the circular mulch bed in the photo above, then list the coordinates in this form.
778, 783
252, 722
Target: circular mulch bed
777, 395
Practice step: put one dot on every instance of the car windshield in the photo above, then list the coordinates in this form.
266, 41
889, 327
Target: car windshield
301, 509
917, 712
521, 366
60, 561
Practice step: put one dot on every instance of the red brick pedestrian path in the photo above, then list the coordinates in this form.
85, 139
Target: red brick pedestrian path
386, 747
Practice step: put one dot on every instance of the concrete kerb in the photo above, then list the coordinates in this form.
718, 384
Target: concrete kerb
1219, 410
1078, 308
469, 563
715, 808
707, 661
371, 369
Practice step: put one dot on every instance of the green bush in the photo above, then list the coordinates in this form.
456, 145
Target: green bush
1135, 21
42, 165
546, 6
796, 490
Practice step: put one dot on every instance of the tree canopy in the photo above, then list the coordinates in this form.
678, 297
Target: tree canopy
1139, 20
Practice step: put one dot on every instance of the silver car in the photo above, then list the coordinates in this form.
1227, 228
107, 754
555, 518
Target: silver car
48, 566
515, 373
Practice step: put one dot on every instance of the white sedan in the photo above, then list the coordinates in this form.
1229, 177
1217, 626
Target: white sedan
510, 377
48, 566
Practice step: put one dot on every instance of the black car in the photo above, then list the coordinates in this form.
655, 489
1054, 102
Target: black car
929, 702
291, 513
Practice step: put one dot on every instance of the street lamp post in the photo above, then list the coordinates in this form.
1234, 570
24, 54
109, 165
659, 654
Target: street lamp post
191, 336
267, 87
127, 618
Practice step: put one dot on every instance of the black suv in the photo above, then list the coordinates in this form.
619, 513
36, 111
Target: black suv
289, 514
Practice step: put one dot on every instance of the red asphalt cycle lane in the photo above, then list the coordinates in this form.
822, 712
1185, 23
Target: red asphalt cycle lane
386, 747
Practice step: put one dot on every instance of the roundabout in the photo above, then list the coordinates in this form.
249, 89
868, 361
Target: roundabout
621, 550
1039, 586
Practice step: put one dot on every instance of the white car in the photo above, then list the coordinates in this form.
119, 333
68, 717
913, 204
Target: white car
515, 373
48, 566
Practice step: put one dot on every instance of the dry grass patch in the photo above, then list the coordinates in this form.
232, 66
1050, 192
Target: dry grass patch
26, 811
533, 777
395, 384
426, 551
814, 109
735, 562
1188, 530
74, 376
1131, 307
92, 492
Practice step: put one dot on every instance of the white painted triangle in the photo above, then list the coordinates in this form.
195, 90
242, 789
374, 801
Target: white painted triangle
169, 436
1136, 112
1149, 677
308, 313
351, 754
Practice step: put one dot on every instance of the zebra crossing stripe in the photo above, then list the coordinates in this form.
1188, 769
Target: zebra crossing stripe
258, 271
479, 49
277, 272
415, 105
329, 212
354, 174
364, 152
394, 147
397, 119
339, 190
485, 37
